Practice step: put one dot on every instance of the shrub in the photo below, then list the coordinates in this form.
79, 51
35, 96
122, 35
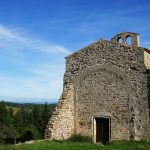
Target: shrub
30, 133
80, 138
8, 134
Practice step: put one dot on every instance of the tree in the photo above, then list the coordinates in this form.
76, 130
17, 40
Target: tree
30, 133
18, 120
3, 113
37, 117
8, 134
45, 117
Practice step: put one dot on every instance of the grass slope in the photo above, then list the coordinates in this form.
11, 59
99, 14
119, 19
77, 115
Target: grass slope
68, 145
27, 106
15, 109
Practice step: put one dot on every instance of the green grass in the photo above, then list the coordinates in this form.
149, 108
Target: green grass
68, 145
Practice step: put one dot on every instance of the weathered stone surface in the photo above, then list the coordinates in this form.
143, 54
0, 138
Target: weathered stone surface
147, 59
106, 79
135, 41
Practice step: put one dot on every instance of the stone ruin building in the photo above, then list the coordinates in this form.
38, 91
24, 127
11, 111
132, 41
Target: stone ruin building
106, 92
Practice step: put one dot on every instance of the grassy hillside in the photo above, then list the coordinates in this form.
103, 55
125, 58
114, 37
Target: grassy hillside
27, 106
68, 145
15, 109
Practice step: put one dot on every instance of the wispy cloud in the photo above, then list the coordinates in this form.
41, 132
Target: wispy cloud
33, 67
34, 87
19, 40
37, 66
105, 24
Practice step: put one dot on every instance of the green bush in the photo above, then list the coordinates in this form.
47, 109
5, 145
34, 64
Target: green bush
8, 134
80, 138
30, 133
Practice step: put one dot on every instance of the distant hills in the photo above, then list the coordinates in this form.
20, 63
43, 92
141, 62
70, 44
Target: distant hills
28, 100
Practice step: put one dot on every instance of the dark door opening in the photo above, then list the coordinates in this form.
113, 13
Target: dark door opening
102, 130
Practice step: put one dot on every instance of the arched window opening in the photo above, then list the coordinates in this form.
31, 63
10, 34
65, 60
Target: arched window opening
120, 40
128, 40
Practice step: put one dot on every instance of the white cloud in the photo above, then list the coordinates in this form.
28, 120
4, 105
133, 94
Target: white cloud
38, 75
32, 87
19, 40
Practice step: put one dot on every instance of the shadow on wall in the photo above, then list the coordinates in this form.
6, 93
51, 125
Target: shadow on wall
148, 84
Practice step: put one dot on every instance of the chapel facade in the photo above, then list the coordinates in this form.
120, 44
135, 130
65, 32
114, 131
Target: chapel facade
106, 92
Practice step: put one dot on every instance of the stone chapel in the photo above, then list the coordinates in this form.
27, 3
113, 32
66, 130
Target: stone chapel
106, 92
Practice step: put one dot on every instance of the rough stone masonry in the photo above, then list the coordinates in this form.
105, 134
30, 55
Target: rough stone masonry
106, 92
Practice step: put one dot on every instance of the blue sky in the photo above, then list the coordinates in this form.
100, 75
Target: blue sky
36, 35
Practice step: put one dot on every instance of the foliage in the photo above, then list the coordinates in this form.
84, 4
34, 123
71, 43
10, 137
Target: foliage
5, 114
27, 123
8, 134
30, 133
80, 138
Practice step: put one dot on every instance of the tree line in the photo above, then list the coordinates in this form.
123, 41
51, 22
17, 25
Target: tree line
27, 123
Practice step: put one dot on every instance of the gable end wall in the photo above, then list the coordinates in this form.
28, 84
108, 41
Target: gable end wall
126, 58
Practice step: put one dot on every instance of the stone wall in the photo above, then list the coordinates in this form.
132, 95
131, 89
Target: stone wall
103, 89
103, 78
147, 59
61, 124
